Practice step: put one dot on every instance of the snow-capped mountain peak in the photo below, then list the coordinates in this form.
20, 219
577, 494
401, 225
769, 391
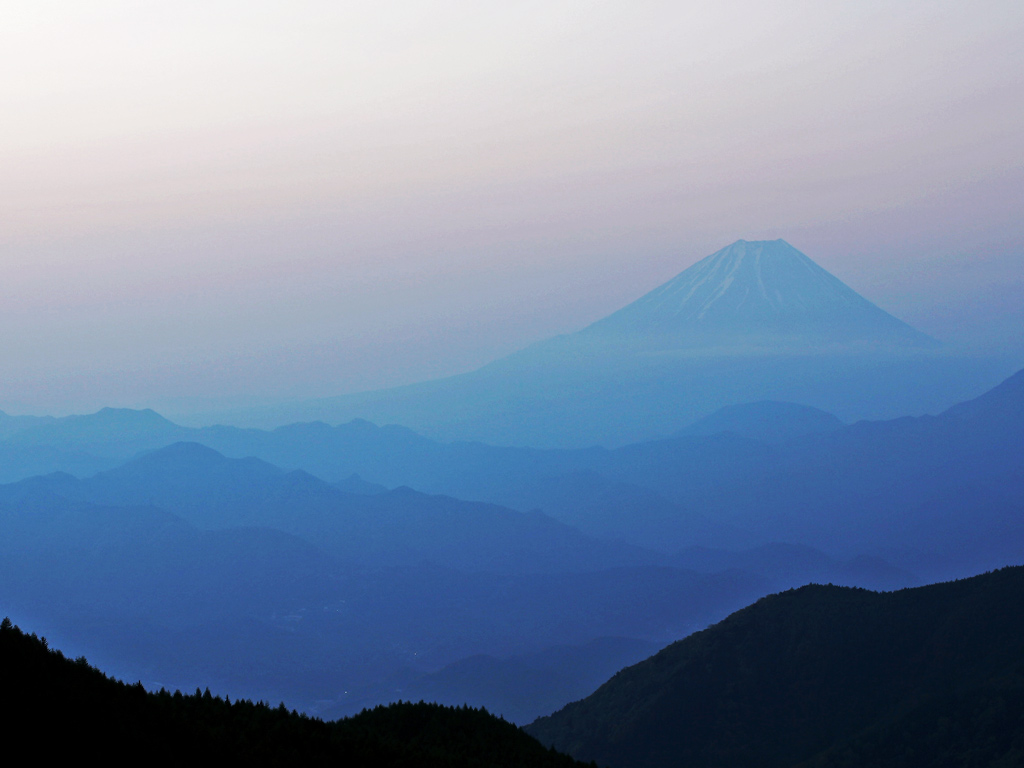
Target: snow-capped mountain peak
757, 290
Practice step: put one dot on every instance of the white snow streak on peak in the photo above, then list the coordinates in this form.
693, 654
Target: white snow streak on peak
748, 286
742, 267
719, 272
733, 266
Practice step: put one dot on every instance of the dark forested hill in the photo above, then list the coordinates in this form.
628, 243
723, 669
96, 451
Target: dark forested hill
827, 675
57, 708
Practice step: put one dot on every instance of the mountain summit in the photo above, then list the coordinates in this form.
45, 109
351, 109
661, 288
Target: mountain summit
754, 322
762, 292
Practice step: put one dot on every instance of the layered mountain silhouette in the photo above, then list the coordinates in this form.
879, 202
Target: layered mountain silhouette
822, 676
110, 432
940, 487
184, 567
910, 490
700, 448
397, 527
755, 321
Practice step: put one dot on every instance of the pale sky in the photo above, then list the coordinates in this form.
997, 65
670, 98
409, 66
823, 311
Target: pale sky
220, 203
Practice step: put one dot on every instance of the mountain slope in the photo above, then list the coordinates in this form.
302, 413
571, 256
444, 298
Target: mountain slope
814, 670
69, 711
1001, 404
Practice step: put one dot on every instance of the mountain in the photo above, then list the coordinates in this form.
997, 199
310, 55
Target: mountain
904, 489
767, 421
127, 561
80, 445
754, 321
823, 676
115, 433
72, 712
10, 425
397, 527
932, 495
18, 462
928, 494
757, 293
1003, 404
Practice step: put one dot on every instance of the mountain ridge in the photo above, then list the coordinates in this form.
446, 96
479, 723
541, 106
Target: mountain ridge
399, 526
815, 674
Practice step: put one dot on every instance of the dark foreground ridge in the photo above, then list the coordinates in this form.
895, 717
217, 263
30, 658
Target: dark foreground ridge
823, 676
56, 708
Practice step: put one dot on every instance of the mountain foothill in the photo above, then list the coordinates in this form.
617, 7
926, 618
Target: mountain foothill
670, 477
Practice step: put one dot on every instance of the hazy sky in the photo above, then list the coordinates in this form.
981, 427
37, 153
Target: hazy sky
220, 202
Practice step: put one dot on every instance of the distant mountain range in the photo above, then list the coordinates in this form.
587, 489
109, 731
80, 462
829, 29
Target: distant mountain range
754, 321
184, 566
393, 528
746, 476
822, 676
930, 494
